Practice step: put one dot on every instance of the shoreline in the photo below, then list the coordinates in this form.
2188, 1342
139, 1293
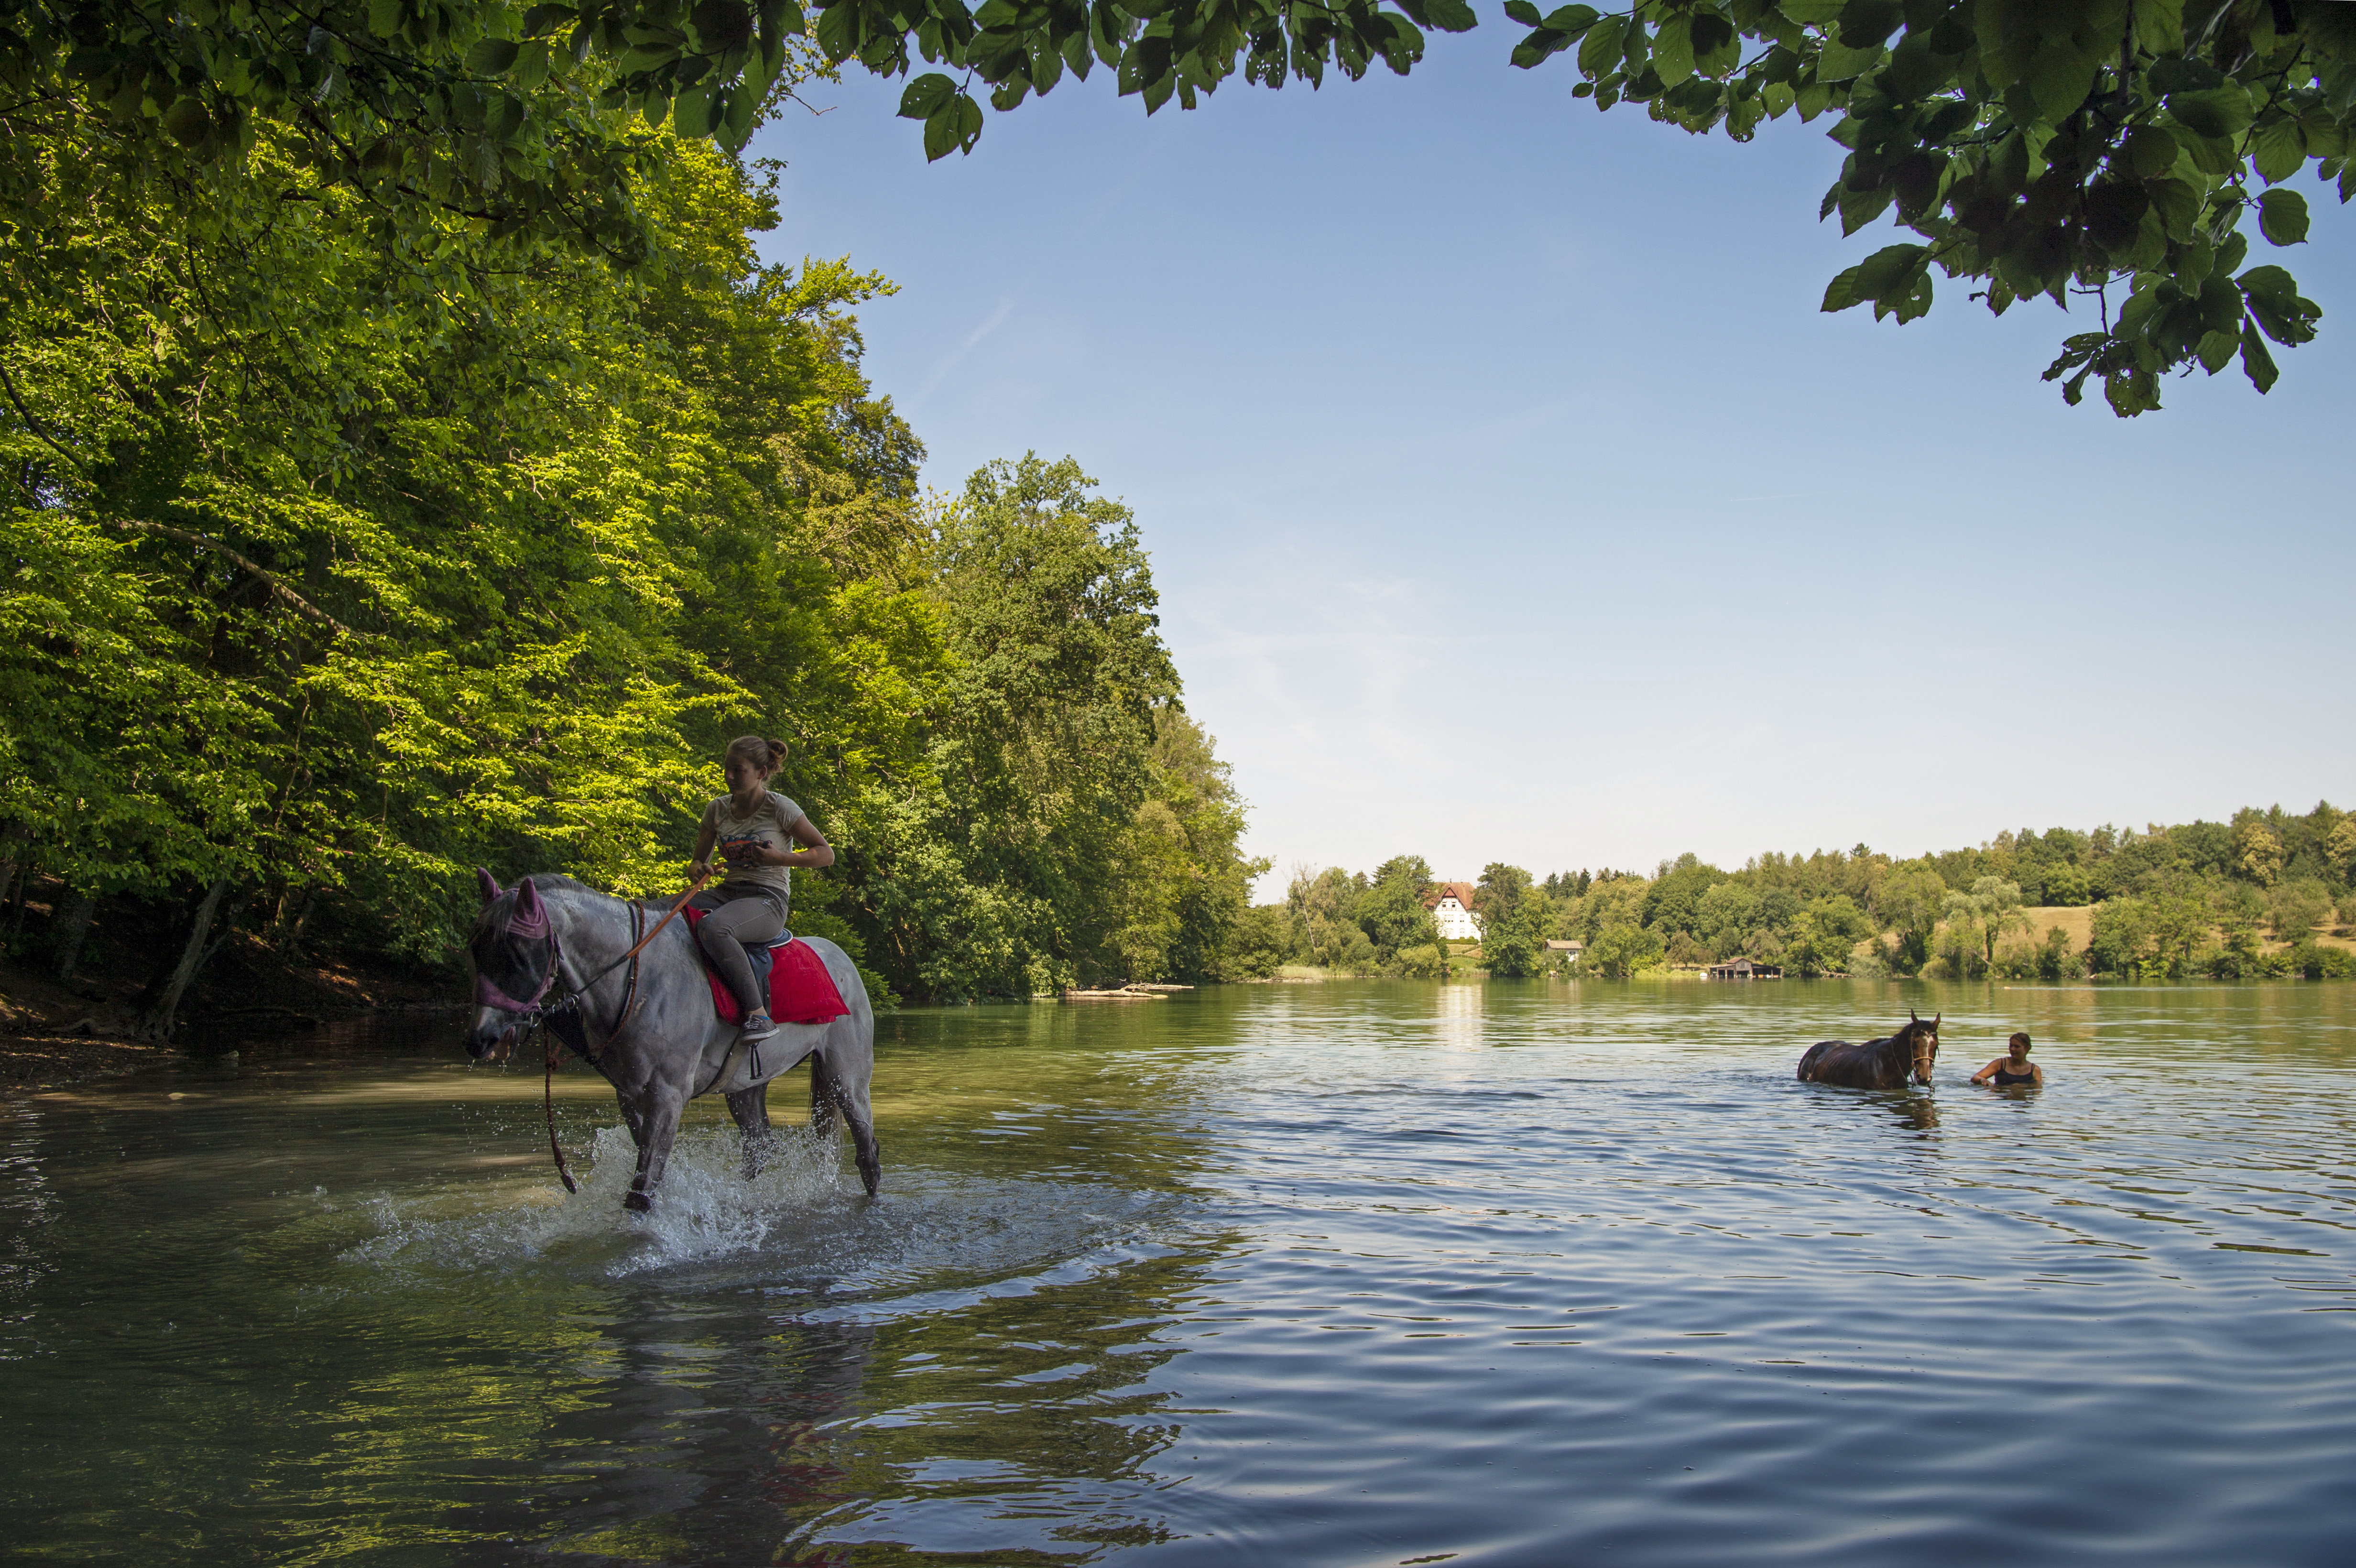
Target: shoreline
54, 1033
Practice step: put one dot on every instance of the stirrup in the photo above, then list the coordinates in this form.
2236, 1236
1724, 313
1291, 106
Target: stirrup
760, 1026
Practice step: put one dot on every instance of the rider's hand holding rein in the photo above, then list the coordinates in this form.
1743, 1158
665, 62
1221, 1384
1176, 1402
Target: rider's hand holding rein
817, 852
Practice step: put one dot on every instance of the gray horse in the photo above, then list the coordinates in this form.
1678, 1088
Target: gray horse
648, 1024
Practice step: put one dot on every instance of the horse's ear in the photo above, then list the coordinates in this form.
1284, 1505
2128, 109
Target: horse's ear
526, 900
1911, 1014
1935, 1022
488, 883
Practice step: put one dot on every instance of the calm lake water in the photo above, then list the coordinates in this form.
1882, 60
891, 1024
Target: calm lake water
1354, 1274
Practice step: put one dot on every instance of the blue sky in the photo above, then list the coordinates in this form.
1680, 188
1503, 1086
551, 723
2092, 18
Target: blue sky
1511, 499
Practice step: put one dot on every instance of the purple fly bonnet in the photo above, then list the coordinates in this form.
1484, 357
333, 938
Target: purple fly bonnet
528, 920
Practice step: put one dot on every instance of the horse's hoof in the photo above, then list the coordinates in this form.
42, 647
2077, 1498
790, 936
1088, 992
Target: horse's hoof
638, 1203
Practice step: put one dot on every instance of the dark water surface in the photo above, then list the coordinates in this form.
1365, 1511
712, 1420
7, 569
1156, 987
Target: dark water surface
1362, 1273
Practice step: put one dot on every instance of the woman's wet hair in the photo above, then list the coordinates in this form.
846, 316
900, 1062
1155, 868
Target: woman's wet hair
769, 756
2019, 1040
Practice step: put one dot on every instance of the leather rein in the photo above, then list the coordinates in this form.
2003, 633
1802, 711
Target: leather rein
533, 1016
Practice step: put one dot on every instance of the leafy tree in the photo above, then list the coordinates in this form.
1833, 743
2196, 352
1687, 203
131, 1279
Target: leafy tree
1913, 901
1392, 911
1673, 903
1623, 948
1260, 944
2295, 909
2340, 846
380, 544
2258, 853
1033, 861
1322, 914
1727, 917
1617, 902
2237, 907
2179, 922
2122, 928
2055, 961
1513, 916
353, 547
2065, 885
1428, 961
1990, 910
1824, 935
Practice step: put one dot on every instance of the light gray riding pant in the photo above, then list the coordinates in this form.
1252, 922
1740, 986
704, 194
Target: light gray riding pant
737, 915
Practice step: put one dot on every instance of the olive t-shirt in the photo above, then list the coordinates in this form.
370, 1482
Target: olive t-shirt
770, 824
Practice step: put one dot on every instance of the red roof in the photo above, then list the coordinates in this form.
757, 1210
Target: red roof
1461, 892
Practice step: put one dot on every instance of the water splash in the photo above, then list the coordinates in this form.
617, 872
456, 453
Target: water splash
708, 1209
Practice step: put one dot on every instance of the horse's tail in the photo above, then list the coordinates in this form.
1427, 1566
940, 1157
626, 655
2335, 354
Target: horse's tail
1809, 1057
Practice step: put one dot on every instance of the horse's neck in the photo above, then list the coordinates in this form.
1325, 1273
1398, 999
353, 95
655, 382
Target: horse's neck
592, 927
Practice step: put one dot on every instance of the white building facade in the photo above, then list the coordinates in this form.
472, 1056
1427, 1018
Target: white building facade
1452, 911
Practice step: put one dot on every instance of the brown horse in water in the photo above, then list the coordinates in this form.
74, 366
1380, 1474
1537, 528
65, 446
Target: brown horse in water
1884, 1063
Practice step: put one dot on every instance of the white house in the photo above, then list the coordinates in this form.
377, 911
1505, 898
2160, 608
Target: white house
1450, 904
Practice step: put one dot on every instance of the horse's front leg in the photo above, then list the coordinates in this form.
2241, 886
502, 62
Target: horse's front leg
751, 1109
655, 1126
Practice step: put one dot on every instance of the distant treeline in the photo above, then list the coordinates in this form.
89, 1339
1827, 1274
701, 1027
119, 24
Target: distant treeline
2200, 899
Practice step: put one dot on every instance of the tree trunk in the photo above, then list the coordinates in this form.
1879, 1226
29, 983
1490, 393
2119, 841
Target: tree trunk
73, 927
159, 1018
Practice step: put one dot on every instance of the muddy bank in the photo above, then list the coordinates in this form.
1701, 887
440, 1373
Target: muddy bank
54, 1032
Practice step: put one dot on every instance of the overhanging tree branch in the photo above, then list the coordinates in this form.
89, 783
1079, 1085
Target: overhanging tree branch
269, 579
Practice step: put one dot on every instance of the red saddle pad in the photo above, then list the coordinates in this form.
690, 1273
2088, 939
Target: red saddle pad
801, 990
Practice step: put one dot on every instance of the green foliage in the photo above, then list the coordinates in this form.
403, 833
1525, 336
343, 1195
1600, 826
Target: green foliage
1824, 935
350, 547
2068, 148
534, 123
1513, 922
2295, 909
2339, 851
1427, 961
2171, 889
2052, 959
1391, 910
1910, 903
1621, 948
1673, 903
1322, 911
1260, 944
2310, 960
1065, 821
1990, 910
2067, 885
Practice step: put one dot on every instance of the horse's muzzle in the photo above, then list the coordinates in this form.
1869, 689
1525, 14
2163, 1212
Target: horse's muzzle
491, 1036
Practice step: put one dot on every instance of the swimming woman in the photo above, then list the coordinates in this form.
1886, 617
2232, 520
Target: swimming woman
764, 836
2013, 1070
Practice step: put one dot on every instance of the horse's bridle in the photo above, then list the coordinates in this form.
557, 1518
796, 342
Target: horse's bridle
529, 1010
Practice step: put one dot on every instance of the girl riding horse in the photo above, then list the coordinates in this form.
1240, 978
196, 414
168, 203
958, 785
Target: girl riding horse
764, 836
